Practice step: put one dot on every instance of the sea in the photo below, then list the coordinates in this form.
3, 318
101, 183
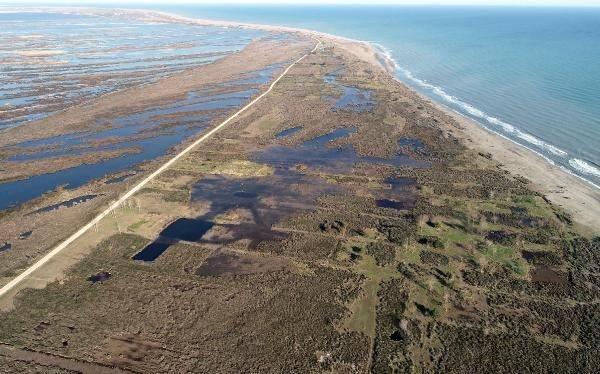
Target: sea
530, 74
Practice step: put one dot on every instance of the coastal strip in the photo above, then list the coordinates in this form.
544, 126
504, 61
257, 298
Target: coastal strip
577, 196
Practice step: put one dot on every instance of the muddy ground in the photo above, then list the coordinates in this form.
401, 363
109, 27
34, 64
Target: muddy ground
337, 226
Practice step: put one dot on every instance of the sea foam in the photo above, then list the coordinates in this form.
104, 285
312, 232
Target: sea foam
584, 167
507, 128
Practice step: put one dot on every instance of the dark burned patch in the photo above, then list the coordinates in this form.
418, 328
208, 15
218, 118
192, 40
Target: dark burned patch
66, 204
225, 263
41, 326
545, 274
100, 277
129, 351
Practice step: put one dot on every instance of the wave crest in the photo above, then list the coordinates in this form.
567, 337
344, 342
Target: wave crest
470, 109
584, 167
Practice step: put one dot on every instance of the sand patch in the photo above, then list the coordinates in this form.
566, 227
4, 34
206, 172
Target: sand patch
40, 53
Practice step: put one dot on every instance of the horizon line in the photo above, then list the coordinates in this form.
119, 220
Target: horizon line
117, 4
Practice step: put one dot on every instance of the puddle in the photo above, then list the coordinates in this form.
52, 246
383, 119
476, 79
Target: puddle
101, 277
228, 263
288, 132
66, 204
5, 247
25, 235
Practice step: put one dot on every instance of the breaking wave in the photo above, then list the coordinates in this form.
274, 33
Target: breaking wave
584, 167
507, 130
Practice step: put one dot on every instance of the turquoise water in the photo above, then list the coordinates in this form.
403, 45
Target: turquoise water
530, 74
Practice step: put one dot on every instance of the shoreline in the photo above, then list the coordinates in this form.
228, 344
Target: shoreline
564, 189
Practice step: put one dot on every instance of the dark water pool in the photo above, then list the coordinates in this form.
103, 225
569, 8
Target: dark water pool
288, 132
65, 204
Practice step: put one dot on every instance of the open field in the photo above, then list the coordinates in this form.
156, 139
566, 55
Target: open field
337, 225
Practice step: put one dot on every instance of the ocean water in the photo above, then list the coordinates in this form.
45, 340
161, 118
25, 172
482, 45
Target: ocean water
529, 74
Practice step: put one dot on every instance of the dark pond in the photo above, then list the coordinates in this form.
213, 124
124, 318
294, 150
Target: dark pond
66, 204
5, 247
182, 229
288, 132
186, 229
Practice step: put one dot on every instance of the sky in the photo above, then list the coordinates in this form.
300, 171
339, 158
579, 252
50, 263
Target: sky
399, 2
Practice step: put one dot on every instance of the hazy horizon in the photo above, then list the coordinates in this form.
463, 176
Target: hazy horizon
523, 3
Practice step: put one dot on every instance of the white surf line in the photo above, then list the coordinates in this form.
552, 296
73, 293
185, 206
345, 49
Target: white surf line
13, 283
